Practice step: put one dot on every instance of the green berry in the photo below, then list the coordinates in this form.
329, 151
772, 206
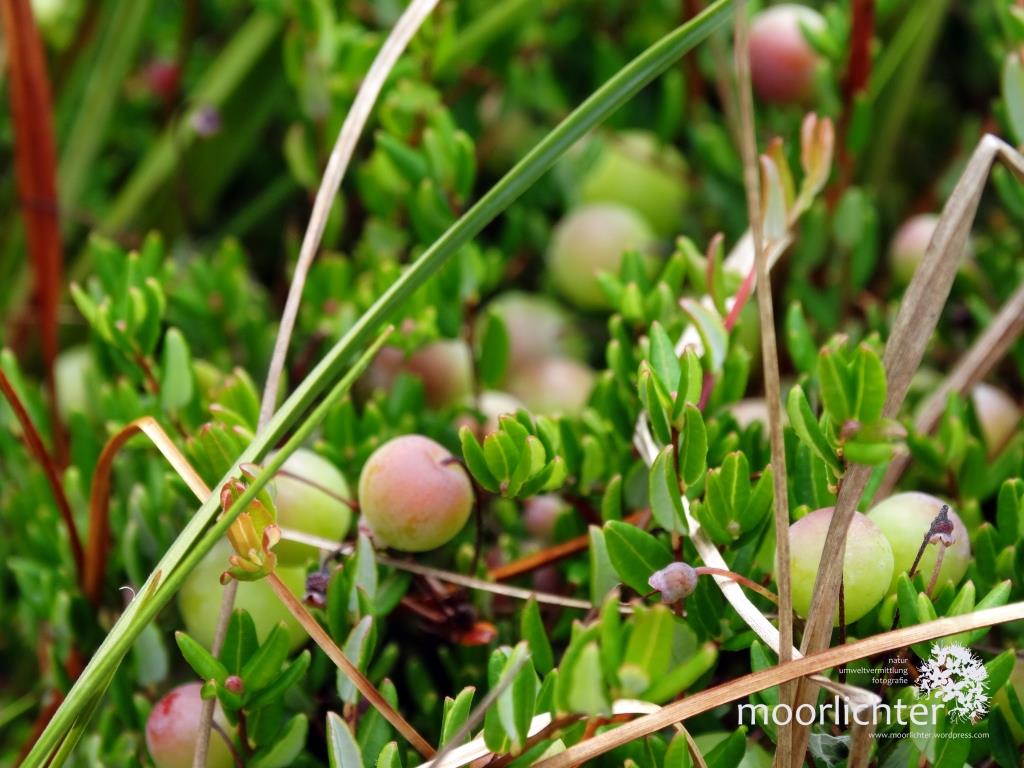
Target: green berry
867, 567
310, 495
590, 240
636, 170
414, 495
200, 596
173, 728
904, 519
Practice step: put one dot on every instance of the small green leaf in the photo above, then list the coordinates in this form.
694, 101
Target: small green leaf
176, 383
869, 385
473, 454
806, 427
200, 659
635, 554
693, 446
587, 692
456, 713
240, 641
603, 576
515, 703
1001, 742
664, 494
288, 745
291, 675
265, 664
389, 756
492, 350
663, 357
678, 753
531, 629
342, 749
835, 394
799, 341
1013, 94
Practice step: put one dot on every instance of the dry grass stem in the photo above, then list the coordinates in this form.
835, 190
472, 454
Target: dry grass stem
769, 350
99, 495
986, 352
742, 687
359, 680
405, 28
915, 322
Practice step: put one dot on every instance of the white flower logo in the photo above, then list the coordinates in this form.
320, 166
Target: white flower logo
959, 680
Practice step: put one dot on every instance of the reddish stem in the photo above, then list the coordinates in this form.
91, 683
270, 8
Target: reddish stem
748, 583
35, 445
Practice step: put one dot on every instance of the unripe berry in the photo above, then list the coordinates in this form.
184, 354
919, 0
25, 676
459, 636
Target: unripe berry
173, 727
589, 240
904, 519
310, 495
445, 367
553, 386
637, 170
998, 415
782, 62
537, 327
200, 596
540, 513
867, 566
909, 244
414, 495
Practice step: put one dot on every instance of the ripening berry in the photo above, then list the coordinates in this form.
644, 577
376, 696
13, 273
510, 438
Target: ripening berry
782, 62
540, 513
414, 495
909, 244
445, 367
173, 727
200, 596
998, 416
311, 496
556, 385
589, 240
537, 327
867, 567
637, 170
904, 519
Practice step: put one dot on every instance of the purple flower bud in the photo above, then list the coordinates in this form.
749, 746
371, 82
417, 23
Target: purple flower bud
205, 121
675, 582
234, 684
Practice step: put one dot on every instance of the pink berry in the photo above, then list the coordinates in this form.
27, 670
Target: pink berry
782, 62
998, 415
909, 244
537, 327
540, 513
173, 726
414, 495
553, 386
445, 367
